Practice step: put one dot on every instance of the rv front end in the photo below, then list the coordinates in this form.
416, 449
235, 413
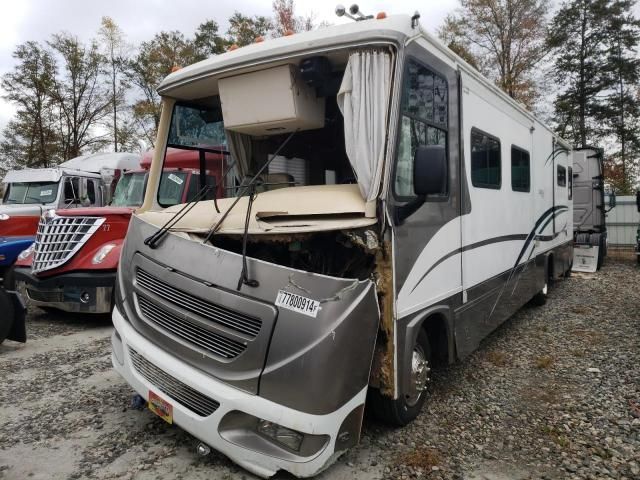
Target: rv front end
273, 375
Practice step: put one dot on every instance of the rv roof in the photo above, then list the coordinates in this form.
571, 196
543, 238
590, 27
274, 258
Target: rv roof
187, 82
95, 162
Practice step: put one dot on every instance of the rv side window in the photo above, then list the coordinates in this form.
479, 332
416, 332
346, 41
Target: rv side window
570, 175
562, 176
520, 170
424, 121
486, 163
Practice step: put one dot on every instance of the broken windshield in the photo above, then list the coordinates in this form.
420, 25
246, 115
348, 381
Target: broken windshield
130, 190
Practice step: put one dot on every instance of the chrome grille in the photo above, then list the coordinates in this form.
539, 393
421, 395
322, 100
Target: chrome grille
59, 238
183, 394
189, 331
223, 316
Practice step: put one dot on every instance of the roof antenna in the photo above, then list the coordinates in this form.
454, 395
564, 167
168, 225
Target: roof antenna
415, 19
354, 13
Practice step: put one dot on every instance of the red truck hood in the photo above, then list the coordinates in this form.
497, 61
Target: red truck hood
95, 211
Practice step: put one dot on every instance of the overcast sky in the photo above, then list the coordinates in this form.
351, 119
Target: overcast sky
25, 20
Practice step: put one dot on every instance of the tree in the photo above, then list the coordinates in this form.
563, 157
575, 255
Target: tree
79, 93
154, 61
505, 38
620, 112
115, 49
576, 35
207, 41
244, 30
30, 139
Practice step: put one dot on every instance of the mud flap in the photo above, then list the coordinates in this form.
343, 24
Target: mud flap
15, 329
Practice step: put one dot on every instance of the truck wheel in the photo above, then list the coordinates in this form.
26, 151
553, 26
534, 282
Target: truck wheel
6, 321
540, 298
403, 410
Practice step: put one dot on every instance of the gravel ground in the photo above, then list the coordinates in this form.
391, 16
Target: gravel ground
553, 393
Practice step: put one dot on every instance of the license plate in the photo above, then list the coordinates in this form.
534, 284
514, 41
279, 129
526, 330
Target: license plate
298, 303
160, 407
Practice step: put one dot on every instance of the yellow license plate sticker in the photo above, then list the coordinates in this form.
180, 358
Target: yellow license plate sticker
160, 407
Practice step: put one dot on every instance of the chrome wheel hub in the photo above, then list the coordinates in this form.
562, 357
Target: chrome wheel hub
419, 376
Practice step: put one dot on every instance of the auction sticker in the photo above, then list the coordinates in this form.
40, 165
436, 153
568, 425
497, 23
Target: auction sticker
298, 303
160, 407
175, 179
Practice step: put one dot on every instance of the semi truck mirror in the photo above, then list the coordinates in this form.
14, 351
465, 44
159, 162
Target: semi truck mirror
612, 200
638, 200
430, 170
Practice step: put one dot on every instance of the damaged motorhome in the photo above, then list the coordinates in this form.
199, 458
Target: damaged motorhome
386, 207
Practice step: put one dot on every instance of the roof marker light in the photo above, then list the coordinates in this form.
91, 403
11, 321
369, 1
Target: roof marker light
381, 15
175, 68
288, 33
233, 47
259, 39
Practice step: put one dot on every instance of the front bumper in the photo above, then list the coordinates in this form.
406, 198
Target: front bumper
90, 292
249, 453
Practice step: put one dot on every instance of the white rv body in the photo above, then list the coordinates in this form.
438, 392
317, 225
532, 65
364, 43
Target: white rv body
452, 242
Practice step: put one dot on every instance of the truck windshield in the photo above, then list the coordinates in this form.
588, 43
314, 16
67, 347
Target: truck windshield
130, 190
31, 193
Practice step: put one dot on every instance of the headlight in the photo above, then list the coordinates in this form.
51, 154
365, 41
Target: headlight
25, 253
102, 253
283, 435
4, 216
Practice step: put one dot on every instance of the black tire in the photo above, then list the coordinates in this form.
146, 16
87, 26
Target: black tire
403, 410
540, 298
6, 321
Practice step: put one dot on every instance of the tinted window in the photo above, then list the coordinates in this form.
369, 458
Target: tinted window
562, 176
424, 121
91, 192
520, 170
171, 187
194, 187
485, 160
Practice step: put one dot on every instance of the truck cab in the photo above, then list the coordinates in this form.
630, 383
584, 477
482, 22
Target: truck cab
77, 274
589, 210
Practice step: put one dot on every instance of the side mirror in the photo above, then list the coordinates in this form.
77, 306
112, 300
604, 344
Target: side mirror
430, 170
612, 200
638, 200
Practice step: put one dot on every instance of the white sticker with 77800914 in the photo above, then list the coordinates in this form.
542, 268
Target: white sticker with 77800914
298, 303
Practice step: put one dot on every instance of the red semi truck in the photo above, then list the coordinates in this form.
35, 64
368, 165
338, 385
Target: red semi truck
72, 264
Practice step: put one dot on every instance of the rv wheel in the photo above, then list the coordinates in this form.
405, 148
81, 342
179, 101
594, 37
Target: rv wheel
6, 307
403, 410
540, 298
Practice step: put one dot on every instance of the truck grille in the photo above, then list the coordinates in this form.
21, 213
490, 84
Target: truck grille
225, 317
183, 394
59, 238
191, 332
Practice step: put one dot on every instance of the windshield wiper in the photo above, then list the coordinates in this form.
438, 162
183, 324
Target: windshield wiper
152, 241
214, 229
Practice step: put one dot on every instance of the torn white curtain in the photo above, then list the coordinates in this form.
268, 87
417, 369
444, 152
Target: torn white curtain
363, 100
241, 151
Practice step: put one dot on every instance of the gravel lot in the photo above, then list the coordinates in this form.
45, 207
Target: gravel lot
554, 393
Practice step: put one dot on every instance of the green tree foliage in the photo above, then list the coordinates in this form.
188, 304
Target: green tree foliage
576, 37
207, 41
503, 38
30, 138
243, 30
620, 111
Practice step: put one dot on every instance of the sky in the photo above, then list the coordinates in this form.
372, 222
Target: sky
25, 20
